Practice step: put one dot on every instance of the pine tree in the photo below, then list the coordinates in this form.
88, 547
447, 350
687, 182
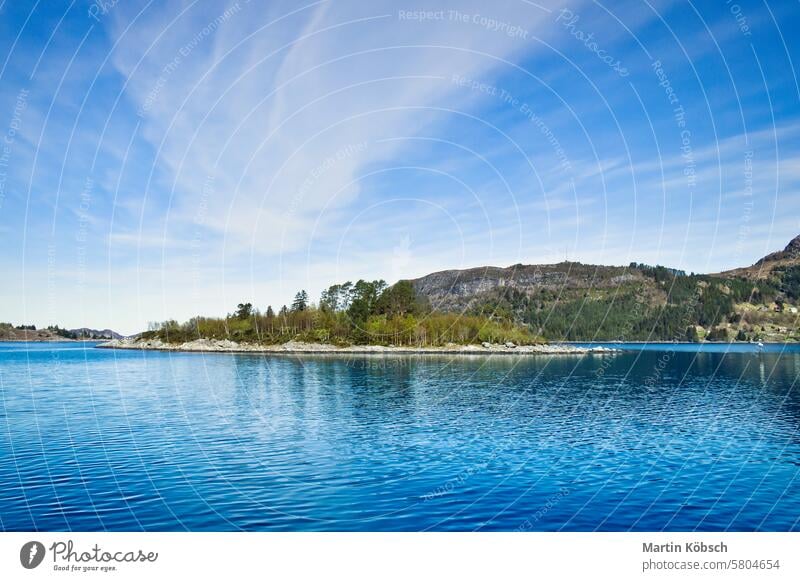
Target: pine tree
300, 301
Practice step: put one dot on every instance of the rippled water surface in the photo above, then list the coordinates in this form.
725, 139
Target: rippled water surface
93, 439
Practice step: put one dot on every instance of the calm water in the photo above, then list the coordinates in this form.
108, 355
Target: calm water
92, 439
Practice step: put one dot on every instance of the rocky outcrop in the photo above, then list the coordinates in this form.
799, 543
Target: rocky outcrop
451, 290
226, 346
792, 251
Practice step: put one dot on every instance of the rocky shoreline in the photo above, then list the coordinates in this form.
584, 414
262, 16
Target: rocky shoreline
227, 346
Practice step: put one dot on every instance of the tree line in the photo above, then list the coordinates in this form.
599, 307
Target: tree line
364, 312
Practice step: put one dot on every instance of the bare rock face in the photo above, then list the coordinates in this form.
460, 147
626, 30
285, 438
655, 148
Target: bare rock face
791, 251
793, 248
453, 290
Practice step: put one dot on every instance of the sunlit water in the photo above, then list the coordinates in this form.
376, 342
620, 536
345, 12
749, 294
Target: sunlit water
93, 439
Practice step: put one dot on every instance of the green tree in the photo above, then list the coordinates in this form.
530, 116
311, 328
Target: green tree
398, 299
344, 295
244, 311
715, 305
331, 299
717, 334
300, 302
790, 282
363, 297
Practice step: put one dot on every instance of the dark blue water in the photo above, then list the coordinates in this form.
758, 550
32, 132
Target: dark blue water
93, 439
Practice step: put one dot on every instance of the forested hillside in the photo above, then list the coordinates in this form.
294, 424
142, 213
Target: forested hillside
573, 301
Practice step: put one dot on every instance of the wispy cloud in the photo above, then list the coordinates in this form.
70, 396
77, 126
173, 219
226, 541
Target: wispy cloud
264, 102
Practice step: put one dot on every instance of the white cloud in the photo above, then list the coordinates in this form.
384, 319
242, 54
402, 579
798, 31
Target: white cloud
262, 101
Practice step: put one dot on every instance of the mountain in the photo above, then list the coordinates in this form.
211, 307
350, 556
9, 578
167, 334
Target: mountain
87, 333
574, 301
771, 265
791, 252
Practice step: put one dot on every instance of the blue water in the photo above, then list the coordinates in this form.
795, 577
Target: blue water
93, 439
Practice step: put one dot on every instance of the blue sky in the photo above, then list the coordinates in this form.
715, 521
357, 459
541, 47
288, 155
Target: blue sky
162, 160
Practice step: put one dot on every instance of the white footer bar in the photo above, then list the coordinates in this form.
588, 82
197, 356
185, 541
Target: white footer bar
402, 556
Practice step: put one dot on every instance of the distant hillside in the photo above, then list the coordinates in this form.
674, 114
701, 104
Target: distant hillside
458, 290
9, 332
573, 301
86, 333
